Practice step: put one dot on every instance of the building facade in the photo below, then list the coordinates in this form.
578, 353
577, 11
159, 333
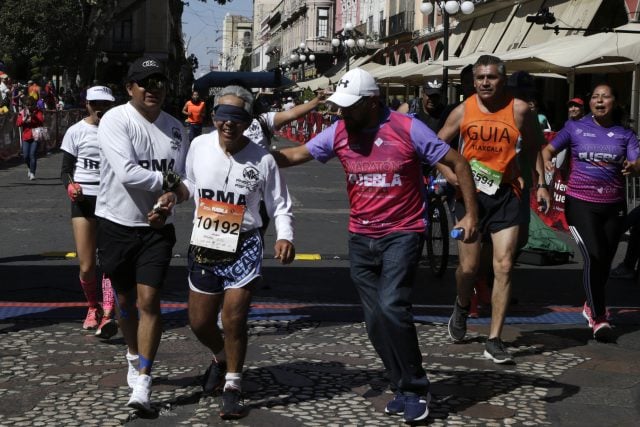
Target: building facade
237, 42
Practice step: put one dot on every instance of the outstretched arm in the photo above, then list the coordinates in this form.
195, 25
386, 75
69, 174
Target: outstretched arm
292, 156
284, 117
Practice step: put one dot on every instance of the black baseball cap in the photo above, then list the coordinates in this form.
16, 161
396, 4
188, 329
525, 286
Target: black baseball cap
144, 67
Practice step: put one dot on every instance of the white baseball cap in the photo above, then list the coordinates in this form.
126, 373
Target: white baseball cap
352, 86
99, 93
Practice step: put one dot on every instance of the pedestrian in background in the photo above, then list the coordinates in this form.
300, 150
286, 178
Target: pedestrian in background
575, 109
80, 175
602, 152
382, 152
195, 110
142, 155
30, 118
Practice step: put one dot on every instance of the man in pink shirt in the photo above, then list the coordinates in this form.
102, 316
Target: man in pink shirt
381, 152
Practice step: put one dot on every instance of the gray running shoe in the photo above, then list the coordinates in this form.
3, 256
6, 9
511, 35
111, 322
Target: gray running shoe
494, 350
232, 407
458, 322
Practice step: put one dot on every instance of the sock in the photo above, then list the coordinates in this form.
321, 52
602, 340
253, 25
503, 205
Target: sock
233, 380
107, 295
145, 363
89, 288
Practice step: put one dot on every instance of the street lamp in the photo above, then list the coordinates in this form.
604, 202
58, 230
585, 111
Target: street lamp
302, 55
100, 57
449, 7
345, 43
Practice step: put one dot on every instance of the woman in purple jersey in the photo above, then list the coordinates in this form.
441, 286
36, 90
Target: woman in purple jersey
602, 153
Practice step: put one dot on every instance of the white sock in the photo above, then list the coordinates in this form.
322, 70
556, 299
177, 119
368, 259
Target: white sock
233, 380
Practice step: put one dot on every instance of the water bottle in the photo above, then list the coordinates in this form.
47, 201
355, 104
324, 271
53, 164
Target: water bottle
457, 233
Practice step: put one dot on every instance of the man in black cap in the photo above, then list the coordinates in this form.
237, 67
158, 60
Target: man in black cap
429, 110
142, 157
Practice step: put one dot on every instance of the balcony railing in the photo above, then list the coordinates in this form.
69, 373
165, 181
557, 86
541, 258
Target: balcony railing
400, 24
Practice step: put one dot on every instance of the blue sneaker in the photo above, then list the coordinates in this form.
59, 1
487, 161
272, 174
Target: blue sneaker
396, 406
416, 408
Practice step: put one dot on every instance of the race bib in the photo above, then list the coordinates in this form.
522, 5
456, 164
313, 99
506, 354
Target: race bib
487, 180
217, 225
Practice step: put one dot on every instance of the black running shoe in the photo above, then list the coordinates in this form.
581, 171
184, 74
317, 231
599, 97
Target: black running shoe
231, 408
213, 379
458, 322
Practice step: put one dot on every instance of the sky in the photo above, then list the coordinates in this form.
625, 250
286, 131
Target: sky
202, 28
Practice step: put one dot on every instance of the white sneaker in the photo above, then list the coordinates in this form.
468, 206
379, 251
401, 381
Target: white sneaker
31, 176
141, 395
132, 373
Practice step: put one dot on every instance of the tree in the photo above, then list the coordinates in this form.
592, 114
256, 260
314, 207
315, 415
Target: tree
39, 37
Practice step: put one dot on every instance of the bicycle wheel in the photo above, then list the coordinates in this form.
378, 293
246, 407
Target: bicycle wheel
437, 241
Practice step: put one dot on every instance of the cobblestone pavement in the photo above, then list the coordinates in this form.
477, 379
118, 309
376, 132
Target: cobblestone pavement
317, 372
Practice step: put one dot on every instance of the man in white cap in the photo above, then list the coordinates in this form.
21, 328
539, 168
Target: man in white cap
382, 152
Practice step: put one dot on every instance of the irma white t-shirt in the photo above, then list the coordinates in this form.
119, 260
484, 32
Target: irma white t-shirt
81, 141
243, 178
134, 153
254, 131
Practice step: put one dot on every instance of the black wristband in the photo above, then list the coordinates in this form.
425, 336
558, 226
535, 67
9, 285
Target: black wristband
545, 186
170, 181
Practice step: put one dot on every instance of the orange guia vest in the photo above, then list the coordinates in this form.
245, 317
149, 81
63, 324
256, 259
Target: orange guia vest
490, 138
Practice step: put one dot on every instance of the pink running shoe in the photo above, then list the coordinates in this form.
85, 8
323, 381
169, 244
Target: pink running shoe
586, 313
94, 315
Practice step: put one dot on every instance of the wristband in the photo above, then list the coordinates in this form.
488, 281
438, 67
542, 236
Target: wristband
545, 186
72, 188
170, 181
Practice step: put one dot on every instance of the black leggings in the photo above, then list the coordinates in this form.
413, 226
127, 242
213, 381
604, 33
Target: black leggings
596, 228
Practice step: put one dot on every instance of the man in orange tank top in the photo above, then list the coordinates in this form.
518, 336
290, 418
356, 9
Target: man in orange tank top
194, 109
499, 135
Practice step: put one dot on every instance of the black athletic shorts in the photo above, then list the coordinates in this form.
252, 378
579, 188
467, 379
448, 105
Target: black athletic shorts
132, 255
500, 211
85, 208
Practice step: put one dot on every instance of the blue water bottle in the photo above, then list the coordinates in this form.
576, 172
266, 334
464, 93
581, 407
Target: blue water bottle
457, 233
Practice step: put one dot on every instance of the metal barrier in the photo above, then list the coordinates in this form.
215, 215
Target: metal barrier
56, 121
305, 128
633, 192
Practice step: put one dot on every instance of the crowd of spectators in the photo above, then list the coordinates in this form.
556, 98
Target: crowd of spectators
46, 94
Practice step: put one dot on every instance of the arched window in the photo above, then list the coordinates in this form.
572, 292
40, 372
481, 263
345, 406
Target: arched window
403, 57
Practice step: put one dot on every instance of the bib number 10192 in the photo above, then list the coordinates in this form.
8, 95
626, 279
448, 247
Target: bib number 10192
217, 225
225, 226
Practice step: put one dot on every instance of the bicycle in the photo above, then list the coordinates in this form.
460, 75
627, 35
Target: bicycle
437, 234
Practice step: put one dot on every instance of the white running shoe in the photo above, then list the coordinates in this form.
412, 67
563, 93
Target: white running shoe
132, 373
141, 395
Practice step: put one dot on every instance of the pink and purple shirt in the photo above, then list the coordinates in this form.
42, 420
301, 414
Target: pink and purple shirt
383, 171
597, 155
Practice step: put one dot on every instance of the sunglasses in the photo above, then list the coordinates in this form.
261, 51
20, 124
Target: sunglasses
151, 83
